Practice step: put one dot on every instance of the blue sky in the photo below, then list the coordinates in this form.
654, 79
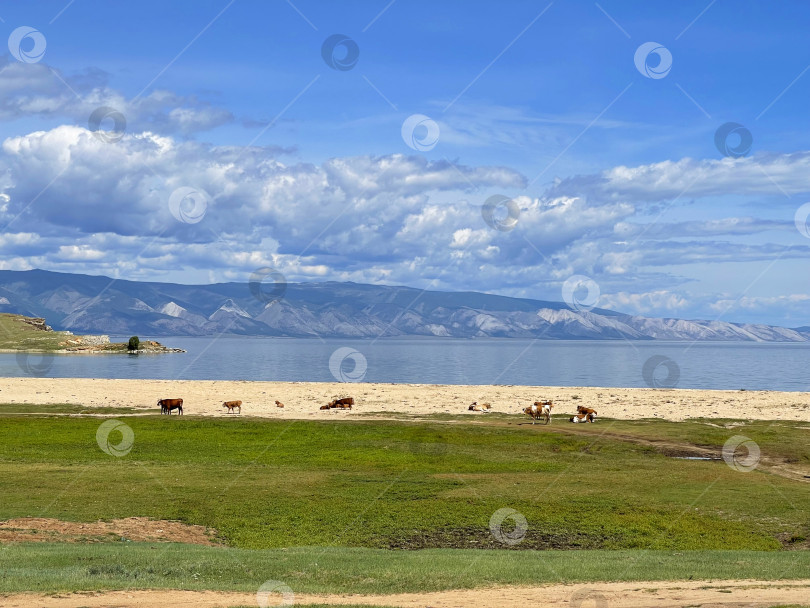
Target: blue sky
299, 166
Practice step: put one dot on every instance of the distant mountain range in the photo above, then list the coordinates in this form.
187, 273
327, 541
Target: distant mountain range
94, 304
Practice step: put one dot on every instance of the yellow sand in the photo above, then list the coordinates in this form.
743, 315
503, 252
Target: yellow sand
302, 399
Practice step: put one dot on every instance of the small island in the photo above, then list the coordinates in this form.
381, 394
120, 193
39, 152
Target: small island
21, 333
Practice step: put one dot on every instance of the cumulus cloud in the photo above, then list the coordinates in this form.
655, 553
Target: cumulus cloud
41, 90
764, 174
69, 201
644, 303
760, 302
66, 183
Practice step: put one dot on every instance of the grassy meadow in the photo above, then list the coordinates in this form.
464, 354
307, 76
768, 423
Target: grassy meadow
601, 502
16, 335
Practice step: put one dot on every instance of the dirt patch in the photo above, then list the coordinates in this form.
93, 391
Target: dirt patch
715, 594
794, 542
141, 529
472, 537
673, 449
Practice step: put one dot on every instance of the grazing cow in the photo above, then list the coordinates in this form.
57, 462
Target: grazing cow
232, 405
167, 405
540, 409
279, 403
590, 413
484, 407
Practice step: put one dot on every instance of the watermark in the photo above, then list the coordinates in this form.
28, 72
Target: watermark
27, 44
651, 372
588, 598
581, 293
741, 453
108, 136
657, 68
340, 52
261, 278
504, 535
801, 219
420, 132
733, 140
500, 212
188, 205
106, 430
355, 372
35, 364
272, 591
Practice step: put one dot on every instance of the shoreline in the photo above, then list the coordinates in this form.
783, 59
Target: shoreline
302, 400
12, 351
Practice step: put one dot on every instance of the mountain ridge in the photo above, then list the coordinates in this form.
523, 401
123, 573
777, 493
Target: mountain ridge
100, 304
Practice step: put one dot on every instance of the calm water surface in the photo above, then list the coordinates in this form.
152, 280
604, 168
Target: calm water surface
449, 361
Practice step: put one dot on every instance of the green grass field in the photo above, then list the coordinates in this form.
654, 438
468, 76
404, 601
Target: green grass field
15, 335
287, 495
64, 567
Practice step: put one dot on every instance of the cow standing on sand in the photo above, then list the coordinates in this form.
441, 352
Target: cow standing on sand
232, 405
167, 405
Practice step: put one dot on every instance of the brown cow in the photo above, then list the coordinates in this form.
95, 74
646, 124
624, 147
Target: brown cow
474, 407
167, 405
589, 413
540, 409
326, 407
232, 405
279, 403
344, 404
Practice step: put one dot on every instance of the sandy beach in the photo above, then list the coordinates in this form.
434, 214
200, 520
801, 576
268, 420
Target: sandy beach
303, 399
679, 594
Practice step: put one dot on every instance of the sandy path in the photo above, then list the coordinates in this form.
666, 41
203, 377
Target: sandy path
302, 399
598, 595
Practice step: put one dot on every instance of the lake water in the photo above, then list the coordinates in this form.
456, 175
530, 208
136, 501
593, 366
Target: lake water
447, 361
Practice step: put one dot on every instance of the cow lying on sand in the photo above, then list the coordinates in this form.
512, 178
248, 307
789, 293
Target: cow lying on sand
484, 407
343, 404
167, 405
232, 405
279, 403
540, 409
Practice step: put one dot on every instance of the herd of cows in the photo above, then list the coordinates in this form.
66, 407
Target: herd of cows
539, 410
542, 409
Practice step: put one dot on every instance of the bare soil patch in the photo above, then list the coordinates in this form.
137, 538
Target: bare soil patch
472, 537
141, 529
679, 594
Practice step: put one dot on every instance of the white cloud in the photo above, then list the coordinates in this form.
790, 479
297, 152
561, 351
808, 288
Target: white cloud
79, 204
760, 303
41, 90
644, 303
765, 174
